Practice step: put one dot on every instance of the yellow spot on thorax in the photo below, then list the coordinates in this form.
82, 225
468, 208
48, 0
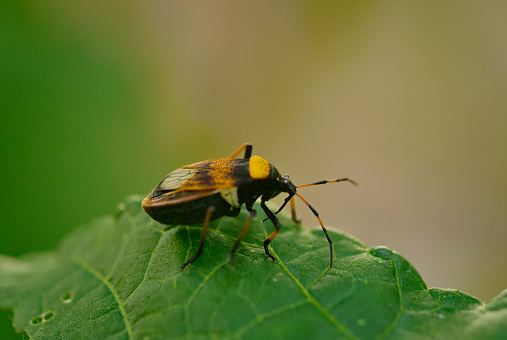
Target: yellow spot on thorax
259, 167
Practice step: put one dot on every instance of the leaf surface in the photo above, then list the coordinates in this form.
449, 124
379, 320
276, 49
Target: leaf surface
119, 277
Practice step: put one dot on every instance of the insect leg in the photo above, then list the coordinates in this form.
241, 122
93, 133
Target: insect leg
205, 225
290, 199
248, 151
293, 210
242, 234
275, 221
233, 213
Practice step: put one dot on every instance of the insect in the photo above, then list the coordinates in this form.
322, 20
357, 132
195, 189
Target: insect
207, 190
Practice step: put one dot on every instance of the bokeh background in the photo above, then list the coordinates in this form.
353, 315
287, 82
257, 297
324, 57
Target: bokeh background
99, 100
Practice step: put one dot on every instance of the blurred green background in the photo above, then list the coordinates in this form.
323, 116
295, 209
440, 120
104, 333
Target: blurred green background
100, 100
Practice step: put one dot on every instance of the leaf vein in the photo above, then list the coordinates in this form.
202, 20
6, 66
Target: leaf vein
113, 291
194, 293
261, 317
338, 325
147, 269
391, 327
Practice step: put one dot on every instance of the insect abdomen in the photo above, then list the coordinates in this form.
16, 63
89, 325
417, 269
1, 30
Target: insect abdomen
191, 212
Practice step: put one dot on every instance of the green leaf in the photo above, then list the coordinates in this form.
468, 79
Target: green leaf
119, 277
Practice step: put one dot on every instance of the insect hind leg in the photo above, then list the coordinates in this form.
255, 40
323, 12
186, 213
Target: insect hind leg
248, 151
207, 219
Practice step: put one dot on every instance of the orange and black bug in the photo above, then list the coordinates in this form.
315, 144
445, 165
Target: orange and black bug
208, 190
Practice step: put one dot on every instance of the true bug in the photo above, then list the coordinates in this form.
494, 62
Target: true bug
205, 191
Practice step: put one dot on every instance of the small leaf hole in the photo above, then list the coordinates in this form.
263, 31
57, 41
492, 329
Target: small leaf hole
48, 315
67, 297
37, 320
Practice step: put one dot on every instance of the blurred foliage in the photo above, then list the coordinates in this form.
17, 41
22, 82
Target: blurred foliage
68, 122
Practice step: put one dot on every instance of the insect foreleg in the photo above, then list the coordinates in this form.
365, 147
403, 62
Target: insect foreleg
275, 221
292, 208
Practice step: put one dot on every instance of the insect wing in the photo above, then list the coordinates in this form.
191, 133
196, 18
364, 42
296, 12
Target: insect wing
176, 179
175, 198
